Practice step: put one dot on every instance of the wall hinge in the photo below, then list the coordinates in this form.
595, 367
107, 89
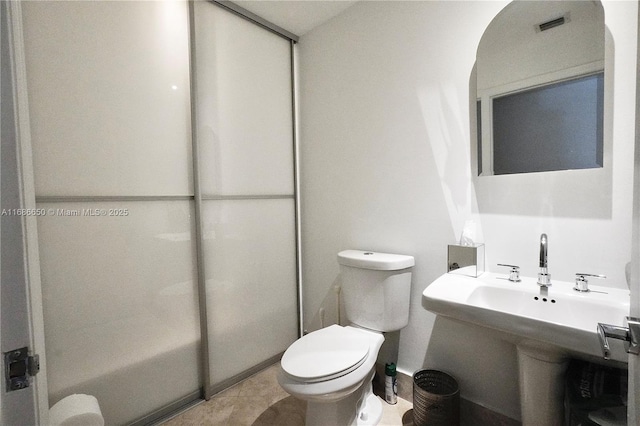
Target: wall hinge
19, 366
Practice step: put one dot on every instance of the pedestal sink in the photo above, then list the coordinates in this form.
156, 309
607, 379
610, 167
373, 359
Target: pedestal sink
548, 326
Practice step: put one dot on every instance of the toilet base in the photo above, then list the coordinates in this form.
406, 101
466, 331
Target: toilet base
370, 412
361, 408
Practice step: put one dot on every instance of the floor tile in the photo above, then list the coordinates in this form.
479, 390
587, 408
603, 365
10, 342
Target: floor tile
217, 411
260, 401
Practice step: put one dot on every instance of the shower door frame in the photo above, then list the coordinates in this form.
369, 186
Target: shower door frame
34, 402
208, 389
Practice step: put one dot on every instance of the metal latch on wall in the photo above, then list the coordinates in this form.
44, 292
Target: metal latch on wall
630, 335
18, 367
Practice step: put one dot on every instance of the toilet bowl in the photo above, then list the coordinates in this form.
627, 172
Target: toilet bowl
332, 369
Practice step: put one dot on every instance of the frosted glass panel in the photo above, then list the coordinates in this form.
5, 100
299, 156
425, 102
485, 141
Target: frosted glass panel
553, 127
109, 96
244, 105
251, 282
120, 304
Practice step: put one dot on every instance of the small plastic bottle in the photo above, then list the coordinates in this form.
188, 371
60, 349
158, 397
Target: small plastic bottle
390, 384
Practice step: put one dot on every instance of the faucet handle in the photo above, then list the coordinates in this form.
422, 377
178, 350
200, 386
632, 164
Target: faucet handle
582, 284
514, 273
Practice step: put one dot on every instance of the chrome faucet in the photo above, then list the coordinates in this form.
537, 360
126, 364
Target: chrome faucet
544, 277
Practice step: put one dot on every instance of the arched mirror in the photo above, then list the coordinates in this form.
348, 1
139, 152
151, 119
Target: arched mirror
540, 88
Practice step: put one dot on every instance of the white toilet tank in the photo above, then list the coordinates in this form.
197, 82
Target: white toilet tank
376, 288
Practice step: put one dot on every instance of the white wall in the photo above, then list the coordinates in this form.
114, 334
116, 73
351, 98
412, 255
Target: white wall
515, 41
385, 161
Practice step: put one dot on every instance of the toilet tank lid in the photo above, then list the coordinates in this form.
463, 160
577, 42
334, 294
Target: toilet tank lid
373, 260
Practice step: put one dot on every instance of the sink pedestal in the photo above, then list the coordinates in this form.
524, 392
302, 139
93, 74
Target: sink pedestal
541, 384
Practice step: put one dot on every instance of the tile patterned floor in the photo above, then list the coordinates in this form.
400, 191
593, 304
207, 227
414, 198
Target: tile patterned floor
259, 400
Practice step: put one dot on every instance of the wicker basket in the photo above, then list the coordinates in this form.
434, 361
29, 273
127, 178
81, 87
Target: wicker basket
436, 399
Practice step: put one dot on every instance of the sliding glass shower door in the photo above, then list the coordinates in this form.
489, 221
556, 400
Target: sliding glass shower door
109, 104
246, 161
164, 171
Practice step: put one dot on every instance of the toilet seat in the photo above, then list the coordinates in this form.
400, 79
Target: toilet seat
325, 354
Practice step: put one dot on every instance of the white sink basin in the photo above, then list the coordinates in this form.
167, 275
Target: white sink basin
564, 318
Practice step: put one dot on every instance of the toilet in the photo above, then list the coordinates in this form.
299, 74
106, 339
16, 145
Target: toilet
333, 368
